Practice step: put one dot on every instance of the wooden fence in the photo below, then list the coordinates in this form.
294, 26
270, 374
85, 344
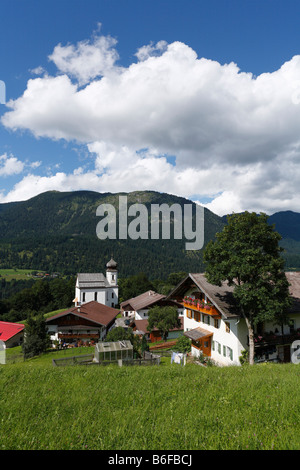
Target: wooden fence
87, 359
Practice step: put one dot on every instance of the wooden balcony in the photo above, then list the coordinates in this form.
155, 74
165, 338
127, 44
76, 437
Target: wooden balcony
78, 335
269, 339
199, 307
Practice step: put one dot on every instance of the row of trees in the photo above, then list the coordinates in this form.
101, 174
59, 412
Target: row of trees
42, 297
20, 298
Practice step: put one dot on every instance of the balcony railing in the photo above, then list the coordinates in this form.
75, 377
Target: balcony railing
200, 307
269, 339
79, 335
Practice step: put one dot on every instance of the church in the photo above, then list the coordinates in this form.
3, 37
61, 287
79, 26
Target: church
94, 313
97, 287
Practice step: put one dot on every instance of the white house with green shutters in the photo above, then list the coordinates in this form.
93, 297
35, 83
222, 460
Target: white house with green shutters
217, 329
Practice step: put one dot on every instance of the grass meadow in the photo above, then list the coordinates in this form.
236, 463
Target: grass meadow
14, 273
166, 407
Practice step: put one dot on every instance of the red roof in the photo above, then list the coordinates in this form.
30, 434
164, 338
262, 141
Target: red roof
93, 311
8, 330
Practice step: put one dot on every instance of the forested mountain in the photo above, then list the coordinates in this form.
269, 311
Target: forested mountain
56, 231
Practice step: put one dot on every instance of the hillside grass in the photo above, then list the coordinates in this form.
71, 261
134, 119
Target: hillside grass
17, 274
166, 407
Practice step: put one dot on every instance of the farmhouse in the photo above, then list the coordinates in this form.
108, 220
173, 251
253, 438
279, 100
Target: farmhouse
216, 328
138, 307
140, 328
97, 287
11, 334
136, 310
88, 322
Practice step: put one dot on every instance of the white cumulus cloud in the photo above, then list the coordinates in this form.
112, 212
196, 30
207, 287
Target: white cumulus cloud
10, 165
233, 137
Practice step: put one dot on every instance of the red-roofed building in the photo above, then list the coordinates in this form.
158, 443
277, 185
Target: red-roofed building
11, 334
90, 321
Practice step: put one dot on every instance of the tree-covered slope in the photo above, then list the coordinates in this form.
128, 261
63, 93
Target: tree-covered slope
56, 231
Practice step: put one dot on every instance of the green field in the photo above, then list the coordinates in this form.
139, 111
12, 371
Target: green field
166, 407
9, 274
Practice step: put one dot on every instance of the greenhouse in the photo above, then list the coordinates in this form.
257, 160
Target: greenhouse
113, 351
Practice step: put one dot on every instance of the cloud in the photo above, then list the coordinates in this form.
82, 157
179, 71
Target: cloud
234, 137
10, 165
151, 50
38, 70
87, 60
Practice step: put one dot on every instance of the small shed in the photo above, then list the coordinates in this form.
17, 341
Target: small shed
114, 350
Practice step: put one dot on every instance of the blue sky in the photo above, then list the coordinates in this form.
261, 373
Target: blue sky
165, 111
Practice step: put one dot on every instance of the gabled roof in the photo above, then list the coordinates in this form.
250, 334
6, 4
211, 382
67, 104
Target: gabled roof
143, 301
221, 297
92, 280
93, 311
293, 278
9, 330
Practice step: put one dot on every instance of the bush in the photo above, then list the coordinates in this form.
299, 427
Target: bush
183, 345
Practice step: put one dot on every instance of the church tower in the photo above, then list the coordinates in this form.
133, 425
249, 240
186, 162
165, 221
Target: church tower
112, 272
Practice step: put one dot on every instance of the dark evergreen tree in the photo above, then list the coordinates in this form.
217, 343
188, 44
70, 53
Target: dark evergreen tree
36, 338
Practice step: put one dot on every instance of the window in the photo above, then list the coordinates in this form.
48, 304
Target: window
95, 295
219, 348
83, 297
228, 352
112, 295
189, 313
227, 327
292, 325
216, 323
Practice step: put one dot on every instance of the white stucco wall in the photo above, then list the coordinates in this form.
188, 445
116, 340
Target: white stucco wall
236, 339
270, 326
104, 296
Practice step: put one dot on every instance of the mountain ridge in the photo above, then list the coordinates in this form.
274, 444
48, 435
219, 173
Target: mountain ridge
56, 231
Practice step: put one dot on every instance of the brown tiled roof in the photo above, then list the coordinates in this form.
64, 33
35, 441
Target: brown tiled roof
143, 301
92, 311
294, 281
